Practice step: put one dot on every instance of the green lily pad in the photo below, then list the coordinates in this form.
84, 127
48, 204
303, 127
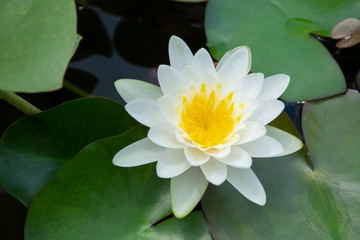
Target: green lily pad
34, 148
90, 198
37, 40
302, 203
278, 33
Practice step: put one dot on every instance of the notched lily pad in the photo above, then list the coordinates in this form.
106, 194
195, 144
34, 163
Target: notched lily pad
301, 203
35, 148
279, 35
90, 198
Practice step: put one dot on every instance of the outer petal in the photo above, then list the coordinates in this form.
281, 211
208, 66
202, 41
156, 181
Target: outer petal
172, 163
267, 111
263, 147
239, 57
195, 157
203, 62
138, 153
145, 111
169, 79
186, 191
164, 135
274, 86
290, 143
251, 85
251, 132
214, 171
133, 89
246, 182
179, 53
238, 158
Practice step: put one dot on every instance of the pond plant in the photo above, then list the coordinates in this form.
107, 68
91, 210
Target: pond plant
249, 130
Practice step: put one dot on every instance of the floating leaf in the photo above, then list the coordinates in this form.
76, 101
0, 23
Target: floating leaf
302, 203
90, 198
278, 33
34, 148
37, 40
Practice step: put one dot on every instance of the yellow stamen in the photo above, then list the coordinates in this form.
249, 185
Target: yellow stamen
208, 119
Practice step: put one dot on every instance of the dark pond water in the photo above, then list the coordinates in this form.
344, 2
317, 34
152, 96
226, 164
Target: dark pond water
128, 40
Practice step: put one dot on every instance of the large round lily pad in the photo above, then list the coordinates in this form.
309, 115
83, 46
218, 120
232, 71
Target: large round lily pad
37, 41
90, 198
278, 33
35, 147
322, 203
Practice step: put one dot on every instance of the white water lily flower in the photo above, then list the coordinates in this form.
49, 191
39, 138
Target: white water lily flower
206, 123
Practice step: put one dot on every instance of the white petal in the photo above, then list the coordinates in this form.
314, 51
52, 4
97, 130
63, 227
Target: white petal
179, 53
169, 79
211, 82
167, 105
179, 136
227, 76
239, 57
195, 157
214, 171
133, 89
203, 62
164, 135
251, 85
186, 191
138, 153
172, 163
246, 182
251, 132
191, 77
218, 152
263, 147
267, 111
290, 143
274, 86
237, 158
250, 107
145, 111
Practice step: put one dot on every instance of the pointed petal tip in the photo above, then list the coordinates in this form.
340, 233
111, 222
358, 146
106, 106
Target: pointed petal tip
290, 143
186, 191
131, 89
180, 213
261, 200
131, 156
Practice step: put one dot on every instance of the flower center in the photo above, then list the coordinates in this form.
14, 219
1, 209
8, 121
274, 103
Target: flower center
208, 120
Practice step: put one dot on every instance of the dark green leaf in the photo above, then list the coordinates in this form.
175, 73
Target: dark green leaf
90, 198
35, 147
